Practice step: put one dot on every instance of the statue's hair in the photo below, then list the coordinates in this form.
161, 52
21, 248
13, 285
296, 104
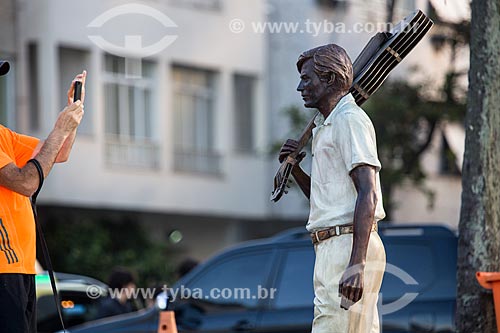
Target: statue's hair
330, 59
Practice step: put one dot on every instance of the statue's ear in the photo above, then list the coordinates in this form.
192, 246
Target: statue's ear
331, 79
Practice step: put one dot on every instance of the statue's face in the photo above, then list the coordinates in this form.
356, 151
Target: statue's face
312, 89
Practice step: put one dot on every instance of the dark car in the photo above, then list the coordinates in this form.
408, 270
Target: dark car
226, 293
76, 306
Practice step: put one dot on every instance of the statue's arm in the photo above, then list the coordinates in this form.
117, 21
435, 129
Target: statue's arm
303, 180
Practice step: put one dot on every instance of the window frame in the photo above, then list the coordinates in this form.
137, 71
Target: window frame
194, 157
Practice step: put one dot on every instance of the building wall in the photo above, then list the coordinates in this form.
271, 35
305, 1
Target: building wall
7, 33
8, 52
203, 41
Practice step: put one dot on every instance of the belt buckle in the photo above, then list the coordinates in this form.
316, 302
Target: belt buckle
317, 236
337, 230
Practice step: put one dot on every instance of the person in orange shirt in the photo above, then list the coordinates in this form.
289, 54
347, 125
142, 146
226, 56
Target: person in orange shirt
18, 181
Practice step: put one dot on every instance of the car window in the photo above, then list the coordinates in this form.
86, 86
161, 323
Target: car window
295, 284
235, 281
76, 307
408, 263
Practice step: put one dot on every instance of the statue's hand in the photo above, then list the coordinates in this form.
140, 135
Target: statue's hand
289, 147
351, 285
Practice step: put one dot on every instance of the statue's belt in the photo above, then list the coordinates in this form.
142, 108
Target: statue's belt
324, 234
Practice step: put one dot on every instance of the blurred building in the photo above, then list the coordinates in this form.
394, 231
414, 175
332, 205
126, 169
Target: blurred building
184, 101
175, 140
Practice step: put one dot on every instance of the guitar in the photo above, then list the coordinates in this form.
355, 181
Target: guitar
378, 58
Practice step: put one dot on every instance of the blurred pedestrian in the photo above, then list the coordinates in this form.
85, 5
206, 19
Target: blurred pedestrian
121, 292
18, 181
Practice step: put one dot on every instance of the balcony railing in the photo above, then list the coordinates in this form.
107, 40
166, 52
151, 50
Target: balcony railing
197, 162
132, 152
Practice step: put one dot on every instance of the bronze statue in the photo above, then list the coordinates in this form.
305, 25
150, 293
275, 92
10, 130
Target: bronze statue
345, 196
344, 186
379, 57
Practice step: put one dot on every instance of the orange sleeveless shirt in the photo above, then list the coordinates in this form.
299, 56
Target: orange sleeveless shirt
17, 225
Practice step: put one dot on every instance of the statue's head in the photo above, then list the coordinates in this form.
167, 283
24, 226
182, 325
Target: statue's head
325, 72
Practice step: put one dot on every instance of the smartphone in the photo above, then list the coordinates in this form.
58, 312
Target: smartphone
78, 91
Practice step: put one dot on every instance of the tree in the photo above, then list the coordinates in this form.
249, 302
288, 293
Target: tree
88, 245
479, 227
405, 119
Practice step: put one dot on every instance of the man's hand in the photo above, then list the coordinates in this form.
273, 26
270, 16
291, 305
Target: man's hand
65, 150
69, 119
289, 147
71, 91
351, 285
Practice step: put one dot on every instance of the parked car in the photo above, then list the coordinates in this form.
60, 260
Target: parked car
77, 308
417, 295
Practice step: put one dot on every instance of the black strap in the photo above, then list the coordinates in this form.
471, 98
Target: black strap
43, 243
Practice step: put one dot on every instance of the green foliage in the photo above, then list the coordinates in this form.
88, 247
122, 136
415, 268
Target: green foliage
405, 120
297, 121
94, 247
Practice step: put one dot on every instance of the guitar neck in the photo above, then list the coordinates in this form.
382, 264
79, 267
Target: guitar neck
305, 136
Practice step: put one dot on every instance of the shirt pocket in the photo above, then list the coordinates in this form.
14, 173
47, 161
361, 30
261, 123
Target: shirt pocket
326, 166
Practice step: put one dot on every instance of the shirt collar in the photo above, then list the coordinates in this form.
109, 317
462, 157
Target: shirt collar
343, 101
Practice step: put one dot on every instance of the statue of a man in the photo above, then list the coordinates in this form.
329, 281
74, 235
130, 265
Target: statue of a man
345, 196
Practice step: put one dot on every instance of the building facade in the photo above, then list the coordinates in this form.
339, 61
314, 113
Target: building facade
184, 101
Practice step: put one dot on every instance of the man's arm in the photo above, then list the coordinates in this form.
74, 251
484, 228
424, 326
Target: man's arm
25, 180
302, 178
63, 154
351, 284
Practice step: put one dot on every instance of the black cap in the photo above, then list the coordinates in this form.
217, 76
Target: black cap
4, 67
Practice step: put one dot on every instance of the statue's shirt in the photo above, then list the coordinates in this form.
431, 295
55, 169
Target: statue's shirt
345, 140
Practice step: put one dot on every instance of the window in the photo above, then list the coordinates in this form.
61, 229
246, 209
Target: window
7, 97
71, 63
129, 115
295, 287
415, 259
194, 121
235, 281
34, 93
244, 97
